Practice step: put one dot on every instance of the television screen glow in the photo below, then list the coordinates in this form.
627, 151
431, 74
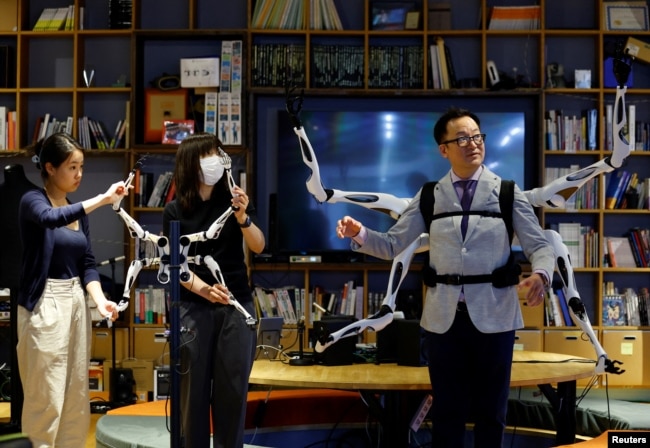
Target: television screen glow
372, 151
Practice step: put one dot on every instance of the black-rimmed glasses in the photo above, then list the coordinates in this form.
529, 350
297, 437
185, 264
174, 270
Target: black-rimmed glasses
464, 141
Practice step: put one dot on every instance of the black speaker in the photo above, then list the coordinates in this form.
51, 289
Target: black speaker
402, 342
122, 386
341, 353
387, 345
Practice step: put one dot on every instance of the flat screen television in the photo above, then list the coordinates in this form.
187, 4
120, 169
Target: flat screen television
371, 150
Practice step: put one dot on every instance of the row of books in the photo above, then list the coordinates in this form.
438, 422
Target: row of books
290, 15
571, 132
337, 65
275, 64
8, 138
629, 307
93, 136
286, 302
625, 190
348, 301
153, 193
56, 19
582, 244
586, 198
149, 305
443, 75
393, 67
514, 17
556, 309
629, 251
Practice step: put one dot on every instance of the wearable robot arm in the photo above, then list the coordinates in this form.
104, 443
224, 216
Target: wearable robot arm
212, 264
381, 202
552, 195
162, 245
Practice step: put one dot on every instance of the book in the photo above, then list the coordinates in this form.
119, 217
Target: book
224, 117
615, 183
234, 136
631, 126
43, 21
12, 143
514, 17
613, 310
210, 115
620, 252
442, 58
564, 307
3, 127
237, 66
57, 22
226, 65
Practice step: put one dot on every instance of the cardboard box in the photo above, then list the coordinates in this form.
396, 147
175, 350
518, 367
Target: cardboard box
626, 346
151, 344
102, 343
638, 48
142, 373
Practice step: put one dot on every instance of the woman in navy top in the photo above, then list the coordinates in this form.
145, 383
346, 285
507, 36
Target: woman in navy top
58, 269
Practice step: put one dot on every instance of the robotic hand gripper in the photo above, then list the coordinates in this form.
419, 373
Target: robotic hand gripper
384, 316
576, 307
214, 268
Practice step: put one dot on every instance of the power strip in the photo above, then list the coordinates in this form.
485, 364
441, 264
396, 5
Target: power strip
421, 414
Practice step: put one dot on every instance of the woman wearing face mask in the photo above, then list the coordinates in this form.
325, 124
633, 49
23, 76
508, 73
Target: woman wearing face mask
217, 347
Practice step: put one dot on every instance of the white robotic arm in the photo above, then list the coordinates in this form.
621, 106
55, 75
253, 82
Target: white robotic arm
553, 195
162, 245
212, 264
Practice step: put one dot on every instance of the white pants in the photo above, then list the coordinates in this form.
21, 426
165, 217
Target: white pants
53, 357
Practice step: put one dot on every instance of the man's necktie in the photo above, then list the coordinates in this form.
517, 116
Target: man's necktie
465, 202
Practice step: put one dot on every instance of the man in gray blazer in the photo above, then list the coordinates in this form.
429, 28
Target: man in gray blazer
469, 323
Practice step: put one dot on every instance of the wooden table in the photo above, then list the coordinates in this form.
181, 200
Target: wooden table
528, 369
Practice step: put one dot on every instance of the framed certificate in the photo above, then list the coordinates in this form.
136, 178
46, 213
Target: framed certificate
626, 16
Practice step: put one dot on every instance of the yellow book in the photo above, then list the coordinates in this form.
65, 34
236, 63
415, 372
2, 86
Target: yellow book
43, 22
58, 21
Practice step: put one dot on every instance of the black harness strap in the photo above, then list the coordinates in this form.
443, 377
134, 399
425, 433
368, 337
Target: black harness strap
501, 277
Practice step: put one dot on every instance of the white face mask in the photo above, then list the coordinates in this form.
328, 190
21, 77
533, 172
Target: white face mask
211, 169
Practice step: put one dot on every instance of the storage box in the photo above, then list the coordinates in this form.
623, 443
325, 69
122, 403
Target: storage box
151, 344
533, 315
638, 48
529, 340
628, 348
102, 343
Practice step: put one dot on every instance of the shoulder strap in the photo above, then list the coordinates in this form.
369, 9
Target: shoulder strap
427, 199
506, 201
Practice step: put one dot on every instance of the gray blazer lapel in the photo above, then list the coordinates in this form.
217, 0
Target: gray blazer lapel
484, 188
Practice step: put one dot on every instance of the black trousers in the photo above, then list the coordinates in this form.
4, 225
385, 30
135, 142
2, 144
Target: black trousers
217, 352
470, 379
